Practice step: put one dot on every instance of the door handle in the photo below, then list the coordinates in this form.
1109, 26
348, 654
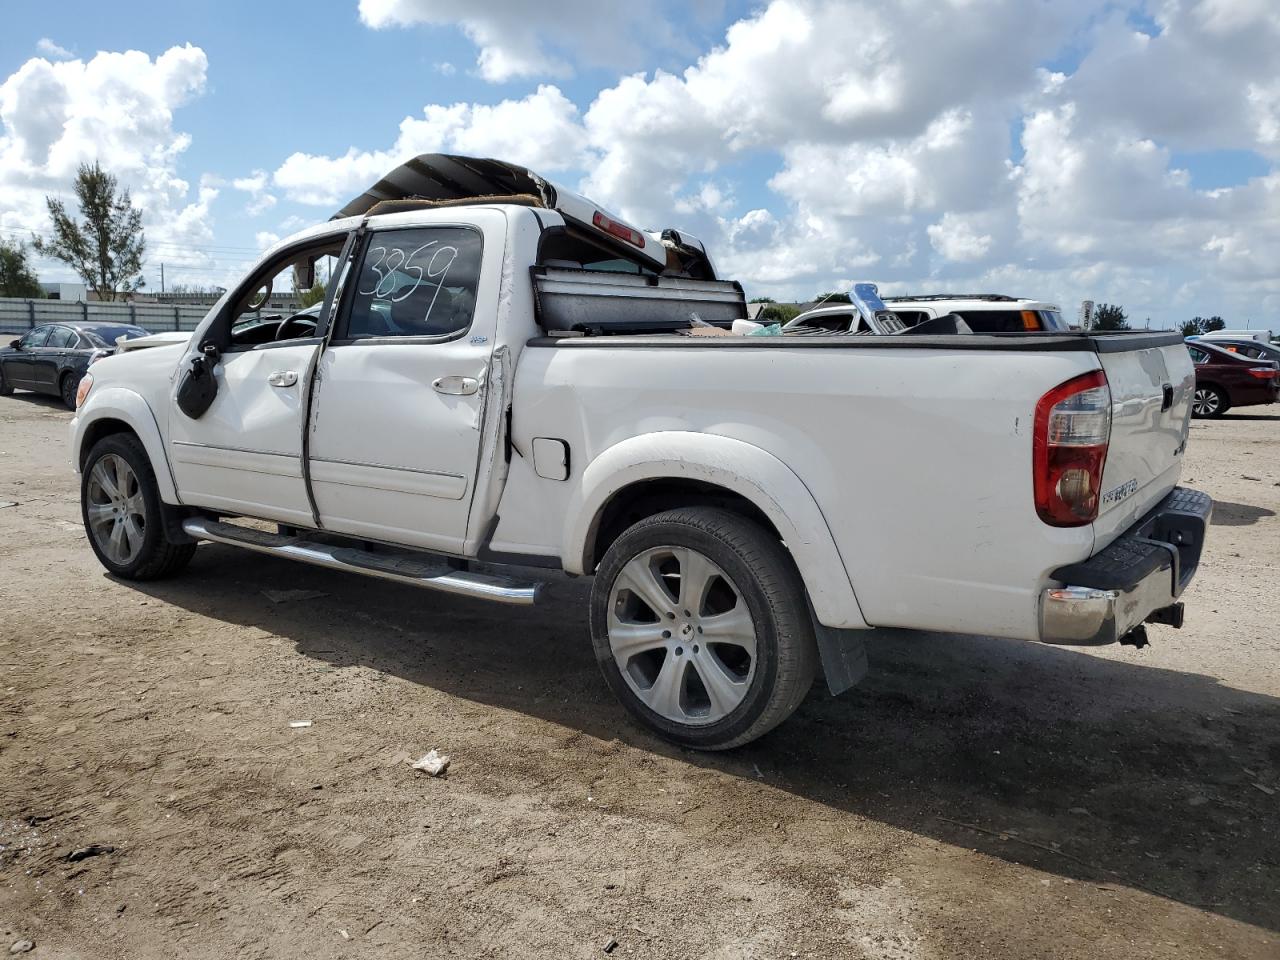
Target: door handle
456, 386
283, 378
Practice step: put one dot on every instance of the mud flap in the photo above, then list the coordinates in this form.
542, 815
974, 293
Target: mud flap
844, 656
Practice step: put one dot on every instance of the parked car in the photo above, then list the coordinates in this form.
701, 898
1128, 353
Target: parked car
502, 371
1225, 380
53, 357
1242, 347
936, 313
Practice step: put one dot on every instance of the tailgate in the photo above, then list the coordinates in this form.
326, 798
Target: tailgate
1152, 381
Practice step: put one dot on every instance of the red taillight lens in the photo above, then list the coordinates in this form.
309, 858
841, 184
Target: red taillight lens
1263, 373
1069, 450
619, 230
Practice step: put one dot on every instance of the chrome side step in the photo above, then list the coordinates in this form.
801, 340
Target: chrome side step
423, 571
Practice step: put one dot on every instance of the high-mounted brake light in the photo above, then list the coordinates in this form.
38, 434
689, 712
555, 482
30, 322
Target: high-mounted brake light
1069, 449
619, 230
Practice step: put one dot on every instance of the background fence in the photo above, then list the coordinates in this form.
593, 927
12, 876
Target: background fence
19, 316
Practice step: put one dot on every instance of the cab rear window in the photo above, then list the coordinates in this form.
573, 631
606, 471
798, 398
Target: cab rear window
1011, 321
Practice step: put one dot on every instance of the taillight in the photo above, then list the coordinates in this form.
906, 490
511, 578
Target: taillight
619, 230
1069, 449
82, 391
1263, 373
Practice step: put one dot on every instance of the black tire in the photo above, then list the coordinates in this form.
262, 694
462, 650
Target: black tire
765, 577
67, 388
158, 557
1209, 403
5, 389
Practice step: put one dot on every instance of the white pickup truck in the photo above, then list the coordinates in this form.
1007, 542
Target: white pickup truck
501, 378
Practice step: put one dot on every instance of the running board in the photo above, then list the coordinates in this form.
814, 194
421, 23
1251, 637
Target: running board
427, 572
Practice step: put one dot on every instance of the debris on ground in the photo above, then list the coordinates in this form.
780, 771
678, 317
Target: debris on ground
434, 763
291, 596
1267, 790
3, 504
1080, 811
93, 850
299, 724
22, 946
1245, 476
611, 946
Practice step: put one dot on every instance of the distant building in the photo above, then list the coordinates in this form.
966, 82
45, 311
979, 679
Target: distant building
65, 291
283, 301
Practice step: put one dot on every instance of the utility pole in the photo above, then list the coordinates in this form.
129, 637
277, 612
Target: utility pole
162, 279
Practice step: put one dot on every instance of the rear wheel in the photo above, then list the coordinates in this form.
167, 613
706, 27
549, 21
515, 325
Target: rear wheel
1208, 402
122, 512
70, 384
701, 629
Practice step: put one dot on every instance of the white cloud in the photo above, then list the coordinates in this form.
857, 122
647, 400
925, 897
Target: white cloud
51, 49
516, 41
116, 109
541, 131
256, 185
956, 238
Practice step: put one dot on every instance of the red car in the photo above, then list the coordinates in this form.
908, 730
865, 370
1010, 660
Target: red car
1225, 380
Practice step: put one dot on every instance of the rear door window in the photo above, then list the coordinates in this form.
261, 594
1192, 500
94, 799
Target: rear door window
36, 338
61, 338
416, 283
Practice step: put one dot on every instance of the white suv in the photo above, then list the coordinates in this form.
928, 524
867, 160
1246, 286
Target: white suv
983, 312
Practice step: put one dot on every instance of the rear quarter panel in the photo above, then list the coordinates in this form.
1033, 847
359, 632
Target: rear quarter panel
920, 460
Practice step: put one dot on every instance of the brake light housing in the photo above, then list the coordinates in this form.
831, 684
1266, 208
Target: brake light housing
619, 230
1069, 450
1263, 373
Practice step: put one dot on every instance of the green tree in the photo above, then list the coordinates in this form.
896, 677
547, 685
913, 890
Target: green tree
778, 313
106, 247
1193, 327
1214, 323
309, 298
1110, 317
762, 300
833, 298
16, 276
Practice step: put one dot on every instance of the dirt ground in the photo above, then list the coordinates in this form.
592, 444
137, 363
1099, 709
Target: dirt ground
973, 798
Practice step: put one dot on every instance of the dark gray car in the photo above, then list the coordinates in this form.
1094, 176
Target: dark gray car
54, 356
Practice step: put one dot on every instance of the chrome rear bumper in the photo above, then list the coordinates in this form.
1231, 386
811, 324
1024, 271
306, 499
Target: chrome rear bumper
1135, 580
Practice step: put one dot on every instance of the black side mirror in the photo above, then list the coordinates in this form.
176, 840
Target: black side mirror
16, 344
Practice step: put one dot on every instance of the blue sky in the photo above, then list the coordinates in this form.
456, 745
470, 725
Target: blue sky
1061, 149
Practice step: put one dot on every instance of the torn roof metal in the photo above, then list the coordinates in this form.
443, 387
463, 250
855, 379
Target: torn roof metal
441, 178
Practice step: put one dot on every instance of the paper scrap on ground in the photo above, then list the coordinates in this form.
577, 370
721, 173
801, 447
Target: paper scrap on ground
434, 763
300, 724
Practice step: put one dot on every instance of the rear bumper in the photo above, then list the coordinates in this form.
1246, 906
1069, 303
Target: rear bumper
1136, 579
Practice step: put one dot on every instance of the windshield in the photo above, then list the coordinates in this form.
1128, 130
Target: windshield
109, 335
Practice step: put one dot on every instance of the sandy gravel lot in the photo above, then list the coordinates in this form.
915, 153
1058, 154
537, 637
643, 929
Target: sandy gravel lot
974, 798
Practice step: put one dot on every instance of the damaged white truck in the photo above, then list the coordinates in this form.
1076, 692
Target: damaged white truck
503, 377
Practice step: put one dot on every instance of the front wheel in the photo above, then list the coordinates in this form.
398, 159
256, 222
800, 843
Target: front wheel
122, 512
5, 388
1208, 402
700, 626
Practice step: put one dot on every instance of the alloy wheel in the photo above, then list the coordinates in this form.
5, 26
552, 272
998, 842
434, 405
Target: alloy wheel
681, 635
1206, 402
116, 509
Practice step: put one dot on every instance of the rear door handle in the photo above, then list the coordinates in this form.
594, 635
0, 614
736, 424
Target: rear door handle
283, 378
456, 386
1167, 400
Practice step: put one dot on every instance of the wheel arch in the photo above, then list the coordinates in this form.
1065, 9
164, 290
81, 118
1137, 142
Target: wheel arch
645, 475
117, 410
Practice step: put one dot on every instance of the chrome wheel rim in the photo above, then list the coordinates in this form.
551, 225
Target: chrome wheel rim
116, 510
1206, 402
681, 635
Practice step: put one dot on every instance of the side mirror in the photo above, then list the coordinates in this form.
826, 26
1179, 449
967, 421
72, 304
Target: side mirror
304, 274
16, 344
